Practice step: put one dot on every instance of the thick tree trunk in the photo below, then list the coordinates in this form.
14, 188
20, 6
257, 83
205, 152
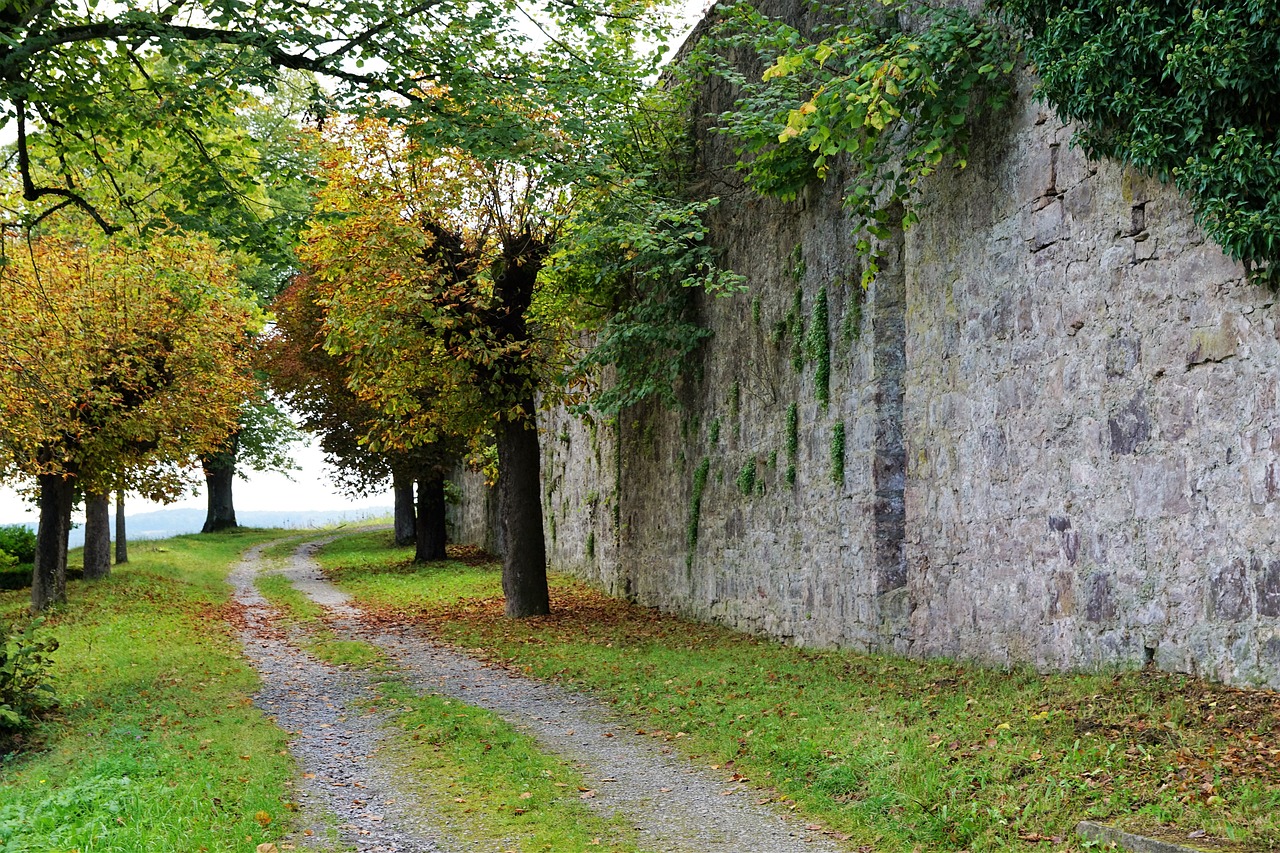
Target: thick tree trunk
524, 560
219, 473
524, 563
402, 488
430, 526
49, 579
97, 537
122, 543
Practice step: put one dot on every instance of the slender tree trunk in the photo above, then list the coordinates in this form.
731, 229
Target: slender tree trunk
122, 543
430, 526
219, 473
97, 537
524, 562
402, 487
49, 579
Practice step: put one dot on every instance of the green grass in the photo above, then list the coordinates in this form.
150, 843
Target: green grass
489, 783
157, 746
316, 637
284, 548
902, 755
493, 786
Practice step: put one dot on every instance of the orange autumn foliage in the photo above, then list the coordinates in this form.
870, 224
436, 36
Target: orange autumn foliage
119, 360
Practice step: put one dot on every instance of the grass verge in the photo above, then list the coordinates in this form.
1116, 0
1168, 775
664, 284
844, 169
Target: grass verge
898, 754
487, 782
492, 785
316, 636
157, 746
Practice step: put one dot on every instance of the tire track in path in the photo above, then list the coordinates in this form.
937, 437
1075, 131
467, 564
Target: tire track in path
675, 806
334, 741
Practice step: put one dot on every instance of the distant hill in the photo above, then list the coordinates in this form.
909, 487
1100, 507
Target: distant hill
164, 523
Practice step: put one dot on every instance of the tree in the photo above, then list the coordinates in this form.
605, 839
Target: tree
101, 81
314, 384
122, 542
116, 361
261, 441
440, 307
432, 260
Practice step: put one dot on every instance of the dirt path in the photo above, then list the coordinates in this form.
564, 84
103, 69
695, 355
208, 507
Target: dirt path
674, 805
335, 743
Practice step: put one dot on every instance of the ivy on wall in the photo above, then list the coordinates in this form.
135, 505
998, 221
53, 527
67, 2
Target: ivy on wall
890, 85
837, 453
793, 441
747, 477
1186, 90
795, 328
817, 346
695, 502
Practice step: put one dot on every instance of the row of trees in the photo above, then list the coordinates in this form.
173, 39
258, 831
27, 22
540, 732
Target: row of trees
120, 364
486, 189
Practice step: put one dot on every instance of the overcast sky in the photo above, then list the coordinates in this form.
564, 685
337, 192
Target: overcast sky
309, 489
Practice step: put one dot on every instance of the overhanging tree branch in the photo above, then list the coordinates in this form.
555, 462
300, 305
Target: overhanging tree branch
31, 192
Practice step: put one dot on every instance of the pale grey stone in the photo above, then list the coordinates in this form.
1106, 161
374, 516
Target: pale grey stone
1037, 357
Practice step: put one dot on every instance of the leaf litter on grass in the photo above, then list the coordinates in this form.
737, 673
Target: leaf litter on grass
903, 752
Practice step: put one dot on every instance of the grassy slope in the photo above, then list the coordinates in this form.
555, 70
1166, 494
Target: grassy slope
158, 746
901, 754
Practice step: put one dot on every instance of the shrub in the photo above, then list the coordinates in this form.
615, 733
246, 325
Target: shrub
24, 666
18, 541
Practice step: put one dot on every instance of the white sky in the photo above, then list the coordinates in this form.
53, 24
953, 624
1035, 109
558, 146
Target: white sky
310, 489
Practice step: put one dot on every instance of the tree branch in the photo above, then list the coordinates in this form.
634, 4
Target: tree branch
31, 192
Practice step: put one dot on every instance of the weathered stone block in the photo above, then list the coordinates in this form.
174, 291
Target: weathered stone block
1123, 355
1213, 343
1048, 226
1268, 588
1130, 426
1229, 594
1099, 603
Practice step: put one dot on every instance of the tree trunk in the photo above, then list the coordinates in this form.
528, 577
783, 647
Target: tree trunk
524, 562
430, 526
219, 472
97, 537
402, 487
49, 579
122, 544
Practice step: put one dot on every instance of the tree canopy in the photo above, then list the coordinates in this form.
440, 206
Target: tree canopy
105, 84
120, 364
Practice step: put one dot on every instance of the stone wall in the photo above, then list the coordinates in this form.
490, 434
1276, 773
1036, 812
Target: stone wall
1061, 431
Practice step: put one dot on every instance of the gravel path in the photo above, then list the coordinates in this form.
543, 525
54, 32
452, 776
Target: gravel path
334, 741
674, 805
